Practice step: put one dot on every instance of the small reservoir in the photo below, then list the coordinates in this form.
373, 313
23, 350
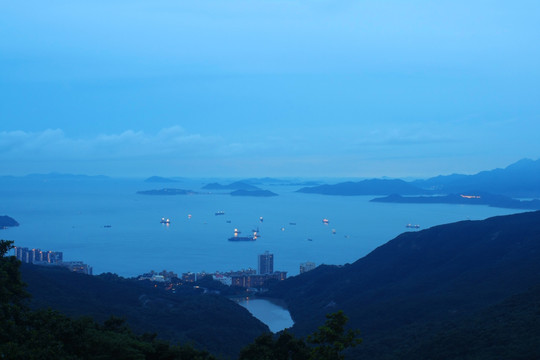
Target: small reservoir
269, 312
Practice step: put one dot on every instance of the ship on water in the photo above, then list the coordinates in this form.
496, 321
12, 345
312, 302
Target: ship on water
244, 238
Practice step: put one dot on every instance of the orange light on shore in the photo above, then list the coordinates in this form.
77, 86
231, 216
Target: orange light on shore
470, 196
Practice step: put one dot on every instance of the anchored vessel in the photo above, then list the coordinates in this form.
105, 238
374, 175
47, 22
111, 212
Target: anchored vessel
244, 238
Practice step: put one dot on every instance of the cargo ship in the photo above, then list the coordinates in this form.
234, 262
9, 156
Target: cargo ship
244, 238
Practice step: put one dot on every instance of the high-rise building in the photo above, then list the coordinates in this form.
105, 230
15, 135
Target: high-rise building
307, 266
266, 263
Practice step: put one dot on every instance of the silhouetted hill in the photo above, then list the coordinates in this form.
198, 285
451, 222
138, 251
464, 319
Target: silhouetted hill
520, 179
256, 193
6, 221
263, 181
238, 185
366, 187
507, 330
167, 191
475, 198
159, 179
208, 321
70, 177
419, 281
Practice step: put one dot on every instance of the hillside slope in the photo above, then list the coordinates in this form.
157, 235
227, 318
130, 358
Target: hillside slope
421, 280
210, 322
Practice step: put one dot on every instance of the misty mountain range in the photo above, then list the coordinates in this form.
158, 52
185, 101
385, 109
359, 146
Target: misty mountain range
500, 186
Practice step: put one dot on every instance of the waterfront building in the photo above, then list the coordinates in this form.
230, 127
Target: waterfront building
307, 266
225, 280
189, 277
78, 267
37, 256
256, 281
164, 276
266, 263
42, 257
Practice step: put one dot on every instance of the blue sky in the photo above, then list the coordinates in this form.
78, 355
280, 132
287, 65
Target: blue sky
268, 88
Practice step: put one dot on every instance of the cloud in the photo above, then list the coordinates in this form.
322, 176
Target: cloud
54, 144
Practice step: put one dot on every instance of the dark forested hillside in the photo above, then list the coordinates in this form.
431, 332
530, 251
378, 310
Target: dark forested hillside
209, 322
421, 280
507, 330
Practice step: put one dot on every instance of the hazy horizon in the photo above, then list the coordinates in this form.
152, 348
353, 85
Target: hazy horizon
236, 89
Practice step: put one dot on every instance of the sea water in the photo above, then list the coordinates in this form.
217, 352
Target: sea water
74, 217
272, 313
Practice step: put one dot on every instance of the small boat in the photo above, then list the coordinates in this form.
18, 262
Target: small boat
165, 221
292, 223
189, 216
333, 231
309, 239
325, 221
411, 226
220, 213
261, 219
107, 226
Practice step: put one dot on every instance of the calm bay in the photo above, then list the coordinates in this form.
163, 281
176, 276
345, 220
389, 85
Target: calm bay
74, 217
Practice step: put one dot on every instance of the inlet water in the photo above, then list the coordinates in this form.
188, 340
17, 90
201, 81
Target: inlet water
269, 312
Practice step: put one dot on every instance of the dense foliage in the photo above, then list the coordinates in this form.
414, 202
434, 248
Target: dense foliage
415, 285
46, 334
327, 343
206, 321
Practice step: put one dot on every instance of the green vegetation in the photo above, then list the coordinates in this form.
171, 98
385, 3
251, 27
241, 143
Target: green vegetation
469, 290
46, 334
210, 322
327, 343
430, 282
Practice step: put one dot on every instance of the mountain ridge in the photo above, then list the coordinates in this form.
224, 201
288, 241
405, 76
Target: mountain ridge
445, 273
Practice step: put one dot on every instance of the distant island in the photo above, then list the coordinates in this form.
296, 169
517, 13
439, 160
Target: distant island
61, 176
519, 180
366, 187
464, 199
159, 179
275, 181
257, 193
168, 191
6, 221
264, 180
238, 185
